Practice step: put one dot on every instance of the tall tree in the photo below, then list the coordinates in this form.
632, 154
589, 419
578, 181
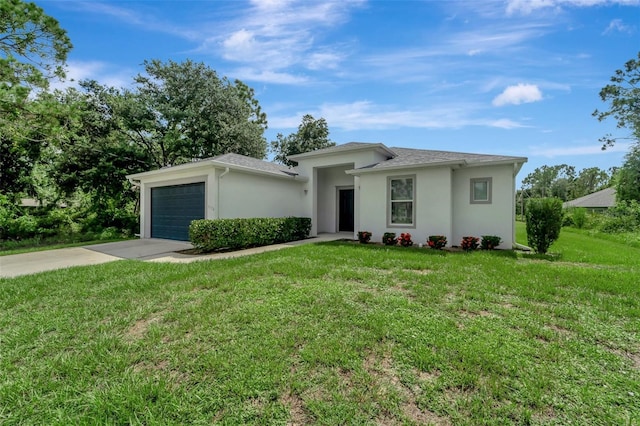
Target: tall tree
589, 180
628, 185
623, 96
312, 134
179, 112
549, 181
33, 50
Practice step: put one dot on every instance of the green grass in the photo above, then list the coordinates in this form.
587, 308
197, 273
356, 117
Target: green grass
330, 334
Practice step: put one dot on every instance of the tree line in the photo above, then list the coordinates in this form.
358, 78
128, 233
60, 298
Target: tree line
77, 145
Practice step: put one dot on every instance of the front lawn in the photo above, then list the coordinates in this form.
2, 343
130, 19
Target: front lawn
331, 334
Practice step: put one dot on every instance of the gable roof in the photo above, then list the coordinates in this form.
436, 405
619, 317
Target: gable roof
342, 148
600, 199
232, 161
406, 158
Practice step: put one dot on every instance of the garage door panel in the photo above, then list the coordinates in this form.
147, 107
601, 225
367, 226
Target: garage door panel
174, 207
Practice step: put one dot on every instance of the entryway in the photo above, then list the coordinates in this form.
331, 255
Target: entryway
345, 210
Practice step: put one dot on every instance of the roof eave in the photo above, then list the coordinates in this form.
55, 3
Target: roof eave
282, 175
405, 167
379, 147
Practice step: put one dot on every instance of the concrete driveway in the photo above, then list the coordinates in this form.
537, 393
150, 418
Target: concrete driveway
151, 249
142, 249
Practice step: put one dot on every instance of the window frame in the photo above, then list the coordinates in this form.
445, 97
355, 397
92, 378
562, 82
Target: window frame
489, 182
390, 202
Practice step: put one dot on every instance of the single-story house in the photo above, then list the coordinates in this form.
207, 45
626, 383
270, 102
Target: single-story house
346, 188
599, 200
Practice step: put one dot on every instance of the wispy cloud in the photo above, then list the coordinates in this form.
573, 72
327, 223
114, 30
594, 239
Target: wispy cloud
366, 115
518, 94
567, 151
102, 72
618, 26
528, 6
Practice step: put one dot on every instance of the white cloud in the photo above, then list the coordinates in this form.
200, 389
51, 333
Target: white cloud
102, 72
365, 115
525, 7
617, 25
594, 149
267, 76
518, 94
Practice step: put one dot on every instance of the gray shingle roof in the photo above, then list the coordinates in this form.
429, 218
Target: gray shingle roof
407, 157
600, 199
349, 146
253, 163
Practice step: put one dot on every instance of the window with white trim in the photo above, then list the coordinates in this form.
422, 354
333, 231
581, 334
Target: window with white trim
401, 201
481, 190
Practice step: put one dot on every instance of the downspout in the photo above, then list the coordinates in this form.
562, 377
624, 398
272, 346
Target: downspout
226, 170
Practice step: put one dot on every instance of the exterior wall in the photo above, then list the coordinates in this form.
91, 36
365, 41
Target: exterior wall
244, 195
315, 203
329, 180
496, 218
432, 204
229, 194
205, 174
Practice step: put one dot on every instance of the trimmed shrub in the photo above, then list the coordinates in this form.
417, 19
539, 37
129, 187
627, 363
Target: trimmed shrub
364, 237
437, 242
234, 234
405, 240
490, 242
389, 239
469, 243
544, 221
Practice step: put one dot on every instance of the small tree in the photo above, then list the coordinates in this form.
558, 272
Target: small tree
544, 221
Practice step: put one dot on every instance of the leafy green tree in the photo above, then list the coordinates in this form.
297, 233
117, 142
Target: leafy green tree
550, 181
588, 181
623, 96
312, 134
179, 112
543, 222
628, 178
33, 50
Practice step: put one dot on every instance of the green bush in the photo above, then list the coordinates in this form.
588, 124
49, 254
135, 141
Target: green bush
490, 242
437, 242
389, 239
234, 234
469, 243
544, 221
364, 236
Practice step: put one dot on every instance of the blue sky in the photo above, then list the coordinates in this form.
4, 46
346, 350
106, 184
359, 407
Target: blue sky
512, 77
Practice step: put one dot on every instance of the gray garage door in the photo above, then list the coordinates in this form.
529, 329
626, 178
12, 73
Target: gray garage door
173, 208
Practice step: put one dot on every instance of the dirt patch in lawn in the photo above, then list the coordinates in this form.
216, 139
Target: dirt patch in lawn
140, 328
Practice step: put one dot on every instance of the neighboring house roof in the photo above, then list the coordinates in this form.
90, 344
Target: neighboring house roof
600, 199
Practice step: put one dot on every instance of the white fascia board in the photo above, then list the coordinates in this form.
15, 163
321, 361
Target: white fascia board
357, 172
170, 170
260, 172
322, 153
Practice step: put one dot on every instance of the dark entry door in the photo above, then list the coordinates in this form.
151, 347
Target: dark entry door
345, 210
173, 208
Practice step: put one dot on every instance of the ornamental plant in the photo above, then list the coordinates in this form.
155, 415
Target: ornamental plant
389, 239
469, 243
544, 220
405, 240
490, 242
364, 237
437, 242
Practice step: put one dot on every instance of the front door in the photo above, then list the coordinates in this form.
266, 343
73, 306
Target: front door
345, 210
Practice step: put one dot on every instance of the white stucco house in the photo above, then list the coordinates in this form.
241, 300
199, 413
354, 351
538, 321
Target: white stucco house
347, 188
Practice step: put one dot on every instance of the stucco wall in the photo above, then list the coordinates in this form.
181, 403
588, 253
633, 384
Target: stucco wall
243, 195
496, 218
329, 180
432, 203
